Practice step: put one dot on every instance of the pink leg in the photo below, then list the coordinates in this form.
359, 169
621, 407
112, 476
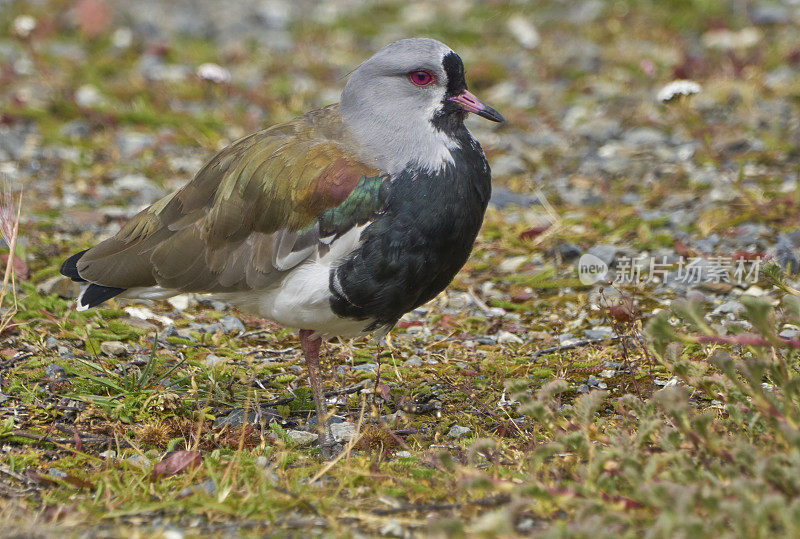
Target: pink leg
311, 353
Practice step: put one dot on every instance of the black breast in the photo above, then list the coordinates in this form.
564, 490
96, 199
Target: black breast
419, 241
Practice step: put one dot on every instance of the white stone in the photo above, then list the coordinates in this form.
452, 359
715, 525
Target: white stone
23, 25
506, 337
523, 31
755, 291
213, 360
122, 37
678, 88
113, 348
343, 432
512, 263
457, 431
214, 73
143, 313
139, 460
88, 96
302, 437
180, 302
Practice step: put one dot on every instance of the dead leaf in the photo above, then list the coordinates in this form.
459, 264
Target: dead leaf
445, 322
77, 438
523, 297
77, 482
19, 266
53, 513
532, 232
624, 311
405, 324
681, 249
386, 393
177, 462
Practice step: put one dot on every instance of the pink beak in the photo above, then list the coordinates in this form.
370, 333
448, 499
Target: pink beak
470, 103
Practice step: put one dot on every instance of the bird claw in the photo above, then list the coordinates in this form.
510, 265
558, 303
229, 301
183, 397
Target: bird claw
330, 448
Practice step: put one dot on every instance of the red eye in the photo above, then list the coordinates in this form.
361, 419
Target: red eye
421, 78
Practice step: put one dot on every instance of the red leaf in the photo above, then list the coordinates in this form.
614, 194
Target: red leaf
533, 232
93, 17
624, 311
176, 463
48, 315
405, 324
19, 266
744, 255
77, 482
680, 248
77, 438
445, 322
386, 393
522, 297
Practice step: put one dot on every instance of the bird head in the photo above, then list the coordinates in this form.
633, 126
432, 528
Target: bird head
411, 93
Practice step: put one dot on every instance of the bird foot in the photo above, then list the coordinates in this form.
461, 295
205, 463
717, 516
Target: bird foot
328, 445
329, 449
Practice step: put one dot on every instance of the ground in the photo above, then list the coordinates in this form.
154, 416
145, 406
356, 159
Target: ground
658, 397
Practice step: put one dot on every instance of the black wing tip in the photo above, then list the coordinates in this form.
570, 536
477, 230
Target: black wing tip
70, 267
95, 294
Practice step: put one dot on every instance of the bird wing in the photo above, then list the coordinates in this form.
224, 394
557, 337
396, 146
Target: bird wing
257, 209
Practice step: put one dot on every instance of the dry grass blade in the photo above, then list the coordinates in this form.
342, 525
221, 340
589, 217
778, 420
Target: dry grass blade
9, 228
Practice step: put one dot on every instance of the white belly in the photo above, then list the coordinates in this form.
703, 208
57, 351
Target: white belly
300, 300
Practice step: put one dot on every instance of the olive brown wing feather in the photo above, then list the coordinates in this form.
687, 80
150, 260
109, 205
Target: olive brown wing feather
253, 212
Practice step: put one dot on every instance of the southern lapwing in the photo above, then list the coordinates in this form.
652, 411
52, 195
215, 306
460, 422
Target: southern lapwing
336, 223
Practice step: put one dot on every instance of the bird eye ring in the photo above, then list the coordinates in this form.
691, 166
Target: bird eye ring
421, 77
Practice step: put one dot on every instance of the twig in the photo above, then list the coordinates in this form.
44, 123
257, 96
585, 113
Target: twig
479, 302
39, 438
493, 501
15, 475
277, 402
555, 218
577, 344
17, 357
254, 333
346, 391
271, 350
10, 232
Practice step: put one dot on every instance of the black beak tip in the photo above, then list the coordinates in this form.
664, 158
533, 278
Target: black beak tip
490, 114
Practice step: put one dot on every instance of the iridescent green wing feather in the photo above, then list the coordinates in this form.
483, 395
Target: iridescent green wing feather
360, 207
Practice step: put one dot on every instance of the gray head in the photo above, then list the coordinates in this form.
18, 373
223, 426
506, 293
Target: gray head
407, 103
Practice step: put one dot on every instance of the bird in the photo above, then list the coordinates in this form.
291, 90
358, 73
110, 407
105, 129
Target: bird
335, 223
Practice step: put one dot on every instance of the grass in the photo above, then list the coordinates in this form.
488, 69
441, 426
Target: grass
684, 423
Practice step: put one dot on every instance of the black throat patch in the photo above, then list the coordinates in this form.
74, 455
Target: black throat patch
454, 68
450, 117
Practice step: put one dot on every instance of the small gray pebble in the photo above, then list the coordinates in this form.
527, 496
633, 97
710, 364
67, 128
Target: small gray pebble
52, 472
457, 431
55, 372
413, 361
231, 324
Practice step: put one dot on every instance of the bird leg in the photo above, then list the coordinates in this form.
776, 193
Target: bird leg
379, 350
311, 353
